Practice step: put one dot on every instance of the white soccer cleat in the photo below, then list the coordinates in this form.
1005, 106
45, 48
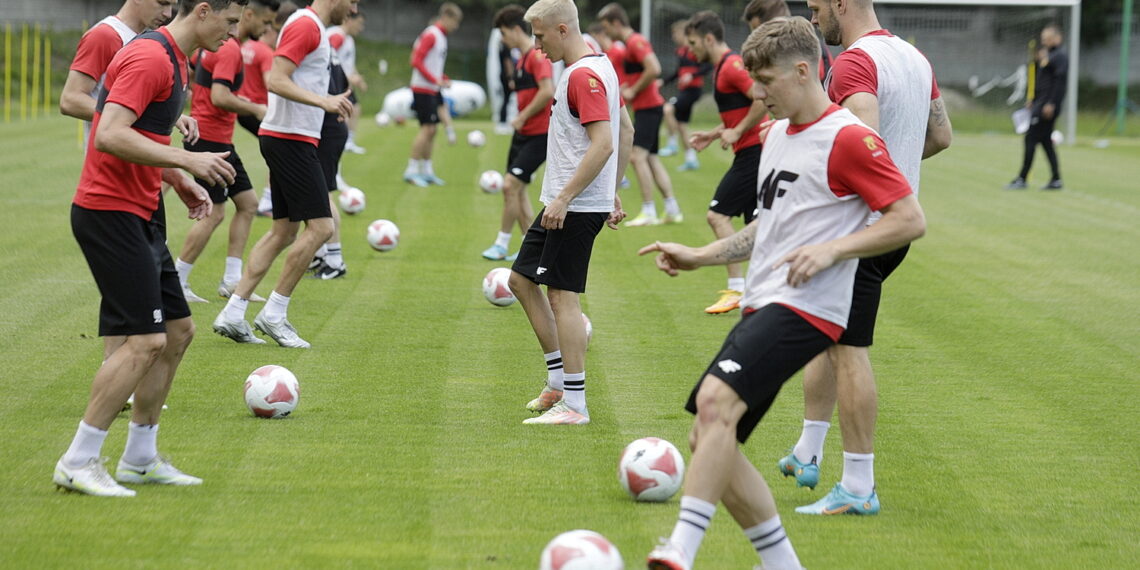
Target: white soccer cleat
90, 479
282, 332
159, 472
667, 556
560, 414
190, 296
227, 289
237, 331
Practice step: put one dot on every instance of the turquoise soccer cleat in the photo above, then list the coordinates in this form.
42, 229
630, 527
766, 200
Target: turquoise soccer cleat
840, 502
807, 474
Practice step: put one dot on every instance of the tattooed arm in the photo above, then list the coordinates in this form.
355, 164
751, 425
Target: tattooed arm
674, 257
938, 130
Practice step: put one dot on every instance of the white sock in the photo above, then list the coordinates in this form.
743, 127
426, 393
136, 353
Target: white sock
773, 545
334, 258
503, 239
276, 308
649, 209
859, 473
574, 391
183, 270
235, 308
690, 155
340, 183
322, 251
811, 442
692, 524
87, 445
413, 166
671, 206
142, 444
427, 167
672, 141
233, 270
266, 202
554, 375
736, 284
351, 137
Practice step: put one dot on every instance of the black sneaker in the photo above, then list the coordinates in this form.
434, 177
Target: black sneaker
316, 263
1053, 185
326, 272
1016, 184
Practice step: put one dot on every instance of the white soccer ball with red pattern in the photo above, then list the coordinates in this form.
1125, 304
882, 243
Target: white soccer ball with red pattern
580, 550
383, 235
476, 138
496, 287
491, 181
272, 392
651, 469
351, 200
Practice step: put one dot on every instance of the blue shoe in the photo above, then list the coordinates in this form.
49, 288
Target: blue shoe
668, 150
495, 253
433, 179
416, 179
689, 165
511, 257
840, 502
807, 474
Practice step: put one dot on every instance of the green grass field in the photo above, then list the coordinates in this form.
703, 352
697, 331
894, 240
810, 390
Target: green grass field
1007, 363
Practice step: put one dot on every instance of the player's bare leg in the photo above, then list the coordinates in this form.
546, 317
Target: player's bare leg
665, 185
643, 172
728, 299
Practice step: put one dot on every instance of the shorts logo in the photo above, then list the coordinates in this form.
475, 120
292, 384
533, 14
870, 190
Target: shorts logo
714, 203
157, 316
540, 271
729, 366
517, 171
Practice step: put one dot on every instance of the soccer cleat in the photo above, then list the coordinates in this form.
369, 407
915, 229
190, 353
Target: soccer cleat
316, 263
625, 183
433, 179
282, 332
326, 272
1053, 185
159, 471
545, 400
667, 556
668, 150
190, 296
673, 218
497, 253
729, 300
560, 414
642, 220
807, 474
237, 331
840, 502
689, 165
354, 148
416, 179
1016, 184
227, 289
91, 479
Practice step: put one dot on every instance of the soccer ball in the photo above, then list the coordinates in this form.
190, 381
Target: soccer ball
580, 550
496, 289
383, 119
476, 138
589, 328
1057, 137
383, 235
351, 200
651, 469
491, 181
272, 392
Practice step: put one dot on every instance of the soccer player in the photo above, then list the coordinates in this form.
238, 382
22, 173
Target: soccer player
759, 11
119, 223
890, 86
690, 78
214, 103
640, 90
740, 115
343, 41
1045, 106
428, 56
290, 133
588, 145
534, 90
822, 173
254, 87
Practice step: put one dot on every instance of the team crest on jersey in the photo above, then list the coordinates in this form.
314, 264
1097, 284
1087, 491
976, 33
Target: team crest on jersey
593, 83
870, 142
738, 64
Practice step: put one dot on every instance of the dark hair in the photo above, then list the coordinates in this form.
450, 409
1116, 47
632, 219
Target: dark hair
766, 10
706, 22
187, 6
270, 4
613, 12
511, 16
287, 8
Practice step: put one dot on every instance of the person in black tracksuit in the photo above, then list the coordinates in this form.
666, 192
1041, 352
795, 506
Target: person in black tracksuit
1052, 78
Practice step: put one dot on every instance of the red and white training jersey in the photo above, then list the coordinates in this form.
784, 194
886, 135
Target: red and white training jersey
532, 68
429, 53
587, 92
226, 67
344, 45
304, 42
95, 51
637, 50
258, 60
732, 89
817, 182
616, 55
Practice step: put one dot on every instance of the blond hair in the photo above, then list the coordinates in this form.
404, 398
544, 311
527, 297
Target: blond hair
781, 41
553, 12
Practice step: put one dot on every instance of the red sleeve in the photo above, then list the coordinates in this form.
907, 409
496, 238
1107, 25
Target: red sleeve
853, 72
423, 45
136, 84
860, 164
336, 40
263, 61
737, 77
228, 63
637, 49
540, 67
96, 49
298, 40
586, 96
934, 92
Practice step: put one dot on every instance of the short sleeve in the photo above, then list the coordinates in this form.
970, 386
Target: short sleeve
586, 96
853, 72
137, 83
860, 164
336, 40
96, 50
637, 49
540, 67
298, 40
737, 77
228, 63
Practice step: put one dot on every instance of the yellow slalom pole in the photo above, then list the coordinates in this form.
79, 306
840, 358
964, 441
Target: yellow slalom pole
36, 71
1031, 85
47, 74
8, 72
23, 72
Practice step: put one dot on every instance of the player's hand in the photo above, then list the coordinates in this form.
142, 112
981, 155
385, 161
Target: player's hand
338, 104
1047, 110
358, 82
554, 215
451, 138
188, 126
617, 215
764, 128
672, 258
517, 123
700, 140
806, 261
628, 94
260, 111
211, 167
729, 137
196, 198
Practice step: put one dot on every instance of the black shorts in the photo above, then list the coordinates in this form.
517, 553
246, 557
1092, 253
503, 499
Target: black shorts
528, 152
560, 258
219, 193
426, 106
646, 124
333, 138
762, 351
249, 123
133, 269
736, 193
684, 101
299, 189
869, 279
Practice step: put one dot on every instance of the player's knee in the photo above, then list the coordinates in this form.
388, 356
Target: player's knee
147, 346
639, 155
717, 220
718, 405
179, 333
519, 284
